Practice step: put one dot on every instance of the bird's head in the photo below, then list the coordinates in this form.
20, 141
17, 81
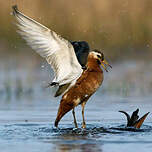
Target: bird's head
99, 56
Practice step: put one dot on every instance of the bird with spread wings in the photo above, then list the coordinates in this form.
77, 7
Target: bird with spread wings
58, 51
76, 81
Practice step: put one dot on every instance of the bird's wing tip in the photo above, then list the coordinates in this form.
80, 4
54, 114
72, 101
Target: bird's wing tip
15, 9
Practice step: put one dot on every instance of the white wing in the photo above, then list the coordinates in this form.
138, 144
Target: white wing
58, 52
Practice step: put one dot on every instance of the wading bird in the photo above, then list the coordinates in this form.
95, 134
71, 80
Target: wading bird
76, 84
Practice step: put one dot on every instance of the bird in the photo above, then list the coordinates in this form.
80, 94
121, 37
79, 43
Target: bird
76, 85
86, 85
134, 120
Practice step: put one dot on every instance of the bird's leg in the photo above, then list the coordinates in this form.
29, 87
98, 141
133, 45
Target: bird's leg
75, 121
83, 123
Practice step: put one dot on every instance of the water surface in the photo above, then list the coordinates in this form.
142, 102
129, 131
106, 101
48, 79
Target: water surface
28, 111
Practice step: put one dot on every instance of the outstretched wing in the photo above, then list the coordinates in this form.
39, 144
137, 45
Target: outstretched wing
58, 52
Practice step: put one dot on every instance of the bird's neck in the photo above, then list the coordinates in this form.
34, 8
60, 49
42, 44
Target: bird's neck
93, 64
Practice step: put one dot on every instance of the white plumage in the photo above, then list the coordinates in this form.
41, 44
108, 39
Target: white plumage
58, 52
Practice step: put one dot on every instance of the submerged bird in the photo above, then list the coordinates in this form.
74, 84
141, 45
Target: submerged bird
133, 121
76, 84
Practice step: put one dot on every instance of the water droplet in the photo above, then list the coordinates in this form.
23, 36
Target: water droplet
148, 45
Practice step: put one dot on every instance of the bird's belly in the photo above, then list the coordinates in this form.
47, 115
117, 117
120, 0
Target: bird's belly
87, 88
83, 88
91, 84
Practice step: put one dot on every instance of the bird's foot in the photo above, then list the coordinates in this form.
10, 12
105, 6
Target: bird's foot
83, 125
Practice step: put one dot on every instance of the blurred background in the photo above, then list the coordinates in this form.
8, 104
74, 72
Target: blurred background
122, 29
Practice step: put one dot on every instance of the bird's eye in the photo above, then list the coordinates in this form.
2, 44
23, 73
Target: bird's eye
102, 58
99, 56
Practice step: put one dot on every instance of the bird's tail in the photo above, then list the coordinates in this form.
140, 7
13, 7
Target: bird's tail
64, 107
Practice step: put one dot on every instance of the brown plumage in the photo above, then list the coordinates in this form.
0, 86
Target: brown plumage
85, 86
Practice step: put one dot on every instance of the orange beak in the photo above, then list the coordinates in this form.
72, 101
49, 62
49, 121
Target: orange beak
105, 65
140, 121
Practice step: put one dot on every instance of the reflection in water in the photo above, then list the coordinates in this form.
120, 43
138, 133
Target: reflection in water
79, 147
75, 142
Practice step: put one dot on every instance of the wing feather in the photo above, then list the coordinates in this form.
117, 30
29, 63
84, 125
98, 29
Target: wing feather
58, 52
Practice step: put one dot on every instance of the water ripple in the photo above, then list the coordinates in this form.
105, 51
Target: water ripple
29, 131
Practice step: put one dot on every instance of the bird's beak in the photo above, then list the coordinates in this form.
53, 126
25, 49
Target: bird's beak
140, 121
105, 65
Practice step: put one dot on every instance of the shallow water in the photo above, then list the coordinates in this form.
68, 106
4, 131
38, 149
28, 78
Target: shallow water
28, 111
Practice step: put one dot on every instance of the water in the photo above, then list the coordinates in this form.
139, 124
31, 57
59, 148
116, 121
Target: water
28, 111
